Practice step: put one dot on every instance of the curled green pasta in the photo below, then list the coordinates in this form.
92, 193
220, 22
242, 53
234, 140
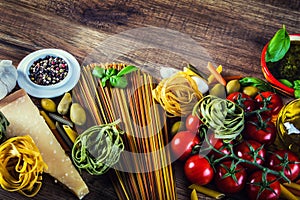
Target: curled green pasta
98, 148
224, 117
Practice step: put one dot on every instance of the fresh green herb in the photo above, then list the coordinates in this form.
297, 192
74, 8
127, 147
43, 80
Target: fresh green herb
116, 78
286, 82
278, 46
256, 82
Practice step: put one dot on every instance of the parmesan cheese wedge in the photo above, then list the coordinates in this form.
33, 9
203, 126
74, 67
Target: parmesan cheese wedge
24, 119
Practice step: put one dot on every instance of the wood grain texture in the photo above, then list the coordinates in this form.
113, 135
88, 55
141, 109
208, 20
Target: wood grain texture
233, 32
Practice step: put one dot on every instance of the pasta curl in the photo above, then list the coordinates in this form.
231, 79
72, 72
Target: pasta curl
98, 148
21, 166
177, 94
224, 117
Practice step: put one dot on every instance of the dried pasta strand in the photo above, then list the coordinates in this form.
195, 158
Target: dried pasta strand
177, 94
21, 166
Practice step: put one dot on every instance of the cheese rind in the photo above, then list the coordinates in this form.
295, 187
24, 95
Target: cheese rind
25, 119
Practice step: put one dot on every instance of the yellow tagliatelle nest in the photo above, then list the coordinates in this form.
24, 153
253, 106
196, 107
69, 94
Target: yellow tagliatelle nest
21, 166
177, 94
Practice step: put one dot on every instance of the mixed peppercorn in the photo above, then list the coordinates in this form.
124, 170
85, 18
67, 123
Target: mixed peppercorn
48, 70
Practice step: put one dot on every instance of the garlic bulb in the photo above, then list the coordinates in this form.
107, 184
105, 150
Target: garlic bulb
8, 77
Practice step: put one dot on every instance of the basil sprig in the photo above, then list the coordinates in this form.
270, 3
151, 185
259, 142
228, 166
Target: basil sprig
278, 46
116, 78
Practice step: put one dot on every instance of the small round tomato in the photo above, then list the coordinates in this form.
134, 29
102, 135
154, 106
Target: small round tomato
243, 100
182, 144
217, 144
280, 158
248, 150
262, 188
198, 170
272, 101
261, 131
230, 177
192, 123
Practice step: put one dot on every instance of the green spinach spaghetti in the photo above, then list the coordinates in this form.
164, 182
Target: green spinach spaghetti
224, 117
98, 148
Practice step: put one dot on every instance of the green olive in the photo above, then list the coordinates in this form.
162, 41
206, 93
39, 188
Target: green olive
77, 114
250, 91
48, 105
177, 126
64, 104
233, 86
218, 90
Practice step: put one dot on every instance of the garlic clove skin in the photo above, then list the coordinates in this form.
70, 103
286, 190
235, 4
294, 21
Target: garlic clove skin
8, 77
201, 83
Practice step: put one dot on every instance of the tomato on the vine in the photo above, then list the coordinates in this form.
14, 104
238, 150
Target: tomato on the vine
261, 131
285, 160
230, 177
198, 170
262, 186
243, 100
182, 144
271, 100
252, 151
217, 144
192, 123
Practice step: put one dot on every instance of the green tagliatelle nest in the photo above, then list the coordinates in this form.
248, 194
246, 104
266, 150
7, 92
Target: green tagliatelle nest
222, 116
98, 148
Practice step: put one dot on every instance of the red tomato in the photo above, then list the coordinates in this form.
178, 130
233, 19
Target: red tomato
182, 144
277, 159
247, 149
192, 123
217, 144
198, 170
260, 189
272, 100
230, 177
263, 132
243, 100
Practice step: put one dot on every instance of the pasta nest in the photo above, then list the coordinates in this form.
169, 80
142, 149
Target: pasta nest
177, 94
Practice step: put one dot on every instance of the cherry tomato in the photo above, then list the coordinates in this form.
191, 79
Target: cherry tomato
218, 144
247, 150
263, 132
277, 159
230, 177
198, 170
243, 100
182, 144
192, 123
272, 100
260, 188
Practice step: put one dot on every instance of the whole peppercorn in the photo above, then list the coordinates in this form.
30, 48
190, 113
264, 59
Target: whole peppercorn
48, 70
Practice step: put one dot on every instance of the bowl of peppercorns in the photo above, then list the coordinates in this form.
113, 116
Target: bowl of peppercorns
48, 73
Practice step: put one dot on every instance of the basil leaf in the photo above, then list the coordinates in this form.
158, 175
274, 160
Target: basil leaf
297, 84
127, 70
98, 72
297, 93
111, 72
278, 46
119, 82
103, 81
286, 82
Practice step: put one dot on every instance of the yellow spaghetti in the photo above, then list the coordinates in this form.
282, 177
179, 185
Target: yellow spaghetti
21, 166
177, 94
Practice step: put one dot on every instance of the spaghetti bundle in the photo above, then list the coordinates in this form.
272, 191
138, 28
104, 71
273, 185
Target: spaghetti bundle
145, 132
177, 94
21, 166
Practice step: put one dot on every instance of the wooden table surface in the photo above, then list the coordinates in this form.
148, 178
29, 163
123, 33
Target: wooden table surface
233, 33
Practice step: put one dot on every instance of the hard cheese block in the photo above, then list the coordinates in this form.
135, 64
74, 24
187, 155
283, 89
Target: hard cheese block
24, 119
